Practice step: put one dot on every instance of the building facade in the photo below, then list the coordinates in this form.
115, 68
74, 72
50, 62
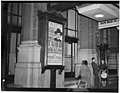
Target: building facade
22, 58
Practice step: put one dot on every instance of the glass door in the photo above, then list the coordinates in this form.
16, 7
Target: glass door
70, 62
70, 45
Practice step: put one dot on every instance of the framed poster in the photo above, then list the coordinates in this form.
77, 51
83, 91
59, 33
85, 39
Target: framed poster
55, 44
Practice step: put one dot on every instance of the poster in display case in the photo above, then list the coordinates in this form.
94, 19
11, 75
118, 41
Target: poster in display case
55, 42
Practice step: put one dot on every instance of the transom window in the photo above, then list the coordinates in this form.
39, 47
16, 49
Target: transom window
15, 13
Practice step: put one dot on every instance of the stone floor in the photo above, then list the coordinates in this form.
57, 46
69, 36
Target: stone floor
71, 85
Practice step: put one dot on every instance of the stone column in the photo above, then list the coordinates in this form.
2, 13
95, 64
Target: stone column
27, 14
87, 29
28, 67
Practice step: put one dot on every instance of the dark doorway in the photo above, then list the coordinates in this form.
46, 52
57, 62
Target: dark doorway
11, 25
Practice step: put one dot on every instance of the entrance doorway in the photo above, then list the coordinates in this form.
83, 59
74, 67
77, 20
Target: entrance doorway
11, 33
71, 57
70, 63
111, 55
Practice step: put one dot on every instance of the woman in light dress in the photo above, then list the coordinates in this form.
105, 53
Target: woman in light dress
85, 73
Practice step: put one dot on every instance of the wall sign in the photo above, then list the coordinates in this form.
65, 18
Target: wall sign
55, 42
108, 23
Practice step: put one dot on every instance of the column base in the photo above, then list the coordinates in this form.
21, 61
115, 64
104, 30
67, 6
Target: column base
28, 67
29, 75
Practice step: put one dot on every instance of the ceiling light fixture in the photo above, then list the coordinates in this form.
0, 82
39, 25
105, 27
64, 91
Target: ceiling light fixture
99, 15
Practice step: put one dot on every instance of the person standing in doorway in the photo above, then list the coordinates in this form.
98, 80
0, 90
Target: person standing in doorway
95, 73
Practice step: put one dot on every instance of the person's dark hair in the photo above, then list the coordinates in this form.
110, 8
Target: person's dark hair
93, 58
104, 68
85, 62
